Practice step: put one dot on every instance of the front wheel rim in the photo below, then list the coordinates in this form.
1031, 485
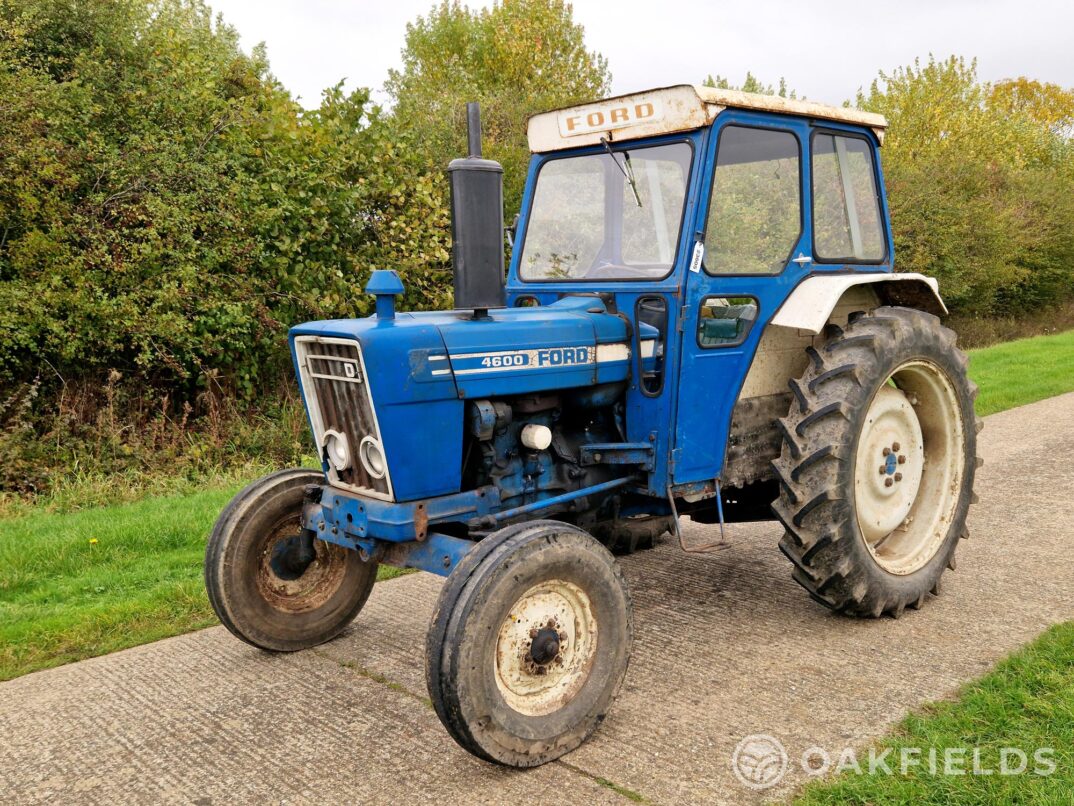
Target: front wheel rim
909, 467
545, 648
318, 581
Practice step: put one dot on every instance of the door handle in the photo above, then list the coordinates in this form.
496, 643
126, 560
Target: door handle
801, 260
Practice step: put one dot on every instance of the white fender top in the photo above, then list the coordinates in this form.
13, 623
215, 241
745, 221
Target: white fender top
811, 303
671, 109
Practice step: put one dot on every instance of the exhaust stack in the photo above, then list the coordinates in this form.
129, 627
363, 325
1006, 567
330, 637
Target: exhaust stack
477, 225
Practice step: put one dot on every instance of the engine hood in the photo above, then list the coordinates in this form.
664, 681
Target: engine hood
572, 342
419, 368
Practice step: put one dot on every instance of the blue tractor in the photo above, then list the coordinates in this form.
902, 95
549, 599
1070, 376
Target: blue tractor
700, 317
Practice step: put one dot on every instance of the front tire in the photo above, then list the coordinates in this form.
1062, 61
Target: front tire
274, 585
877, 466
529, 643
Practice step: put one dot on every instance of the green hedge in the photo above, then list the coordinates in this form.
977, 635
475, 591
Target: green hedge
167, 210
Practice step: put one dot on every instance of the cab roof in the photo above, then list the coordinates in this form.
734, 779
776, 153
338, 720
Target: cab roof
671, 109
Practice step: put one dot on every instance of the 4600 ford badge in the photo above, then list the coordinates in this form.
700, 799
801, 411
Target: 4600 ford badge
469, 363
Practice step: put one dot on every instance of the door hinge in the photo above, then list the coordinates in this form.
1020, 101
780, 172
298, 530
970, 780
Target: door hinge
681, 324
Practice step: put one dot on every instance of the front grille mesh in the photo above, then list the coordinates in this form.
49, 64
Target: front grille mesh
340, 391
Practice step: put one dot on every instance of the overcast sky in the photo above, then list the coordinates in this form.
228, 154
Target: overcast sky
826, 49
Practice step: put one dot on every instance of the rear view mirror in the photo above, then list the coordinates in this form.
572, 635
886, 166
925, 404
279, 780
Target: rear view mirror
511, 231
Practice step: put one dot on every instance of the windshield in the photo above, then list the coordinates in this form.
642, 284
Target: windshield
590, 221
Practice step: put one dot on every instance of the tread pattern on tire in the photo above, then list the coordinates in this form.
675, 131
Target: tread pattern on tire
214, 548
816, 461
443, 703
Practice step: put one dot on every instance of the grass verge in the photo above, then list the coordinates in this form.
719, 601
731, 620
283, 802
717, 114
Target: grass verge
86, 583
1019, 372
1025, 705
64, 598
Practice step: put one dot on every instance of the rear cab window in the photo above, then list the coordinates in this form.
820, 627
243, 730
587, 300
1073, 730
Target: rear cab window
848, 226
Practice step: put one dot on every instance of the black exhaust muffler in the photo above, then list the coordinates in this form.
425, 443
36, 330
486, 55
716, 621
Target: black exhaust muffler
477, 225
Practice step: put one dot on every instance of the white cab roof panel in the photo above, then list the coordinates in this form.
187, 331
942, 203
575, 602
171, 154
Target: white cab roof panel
667, 110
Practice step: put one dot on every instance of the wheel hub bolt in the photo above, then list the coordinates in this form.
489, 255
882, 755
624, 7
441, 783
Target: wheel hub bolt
545, 646
887, 451
888, 482
898, 477
902, 459
895, 446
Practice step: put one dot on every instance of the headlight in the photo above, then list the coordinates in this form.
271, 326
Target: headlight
372, 457
337, 450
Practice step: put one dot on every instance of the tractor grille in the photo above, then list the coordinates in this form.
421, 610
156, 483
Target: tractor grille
339, 399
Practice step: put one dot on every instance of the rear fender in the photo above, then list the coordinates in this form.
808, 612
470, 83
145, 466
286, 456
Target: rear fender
809, 307
781, 355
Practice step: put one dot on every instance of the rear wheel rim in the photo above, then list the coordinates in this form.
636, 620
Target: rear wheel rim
545, 648
909, 467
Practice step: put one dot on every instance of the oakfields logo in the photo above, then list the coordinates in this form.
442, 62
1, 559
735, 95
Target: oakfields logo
761, 761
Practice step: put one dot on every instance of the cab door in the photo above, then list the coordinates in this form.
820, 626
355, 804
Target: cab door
751, 247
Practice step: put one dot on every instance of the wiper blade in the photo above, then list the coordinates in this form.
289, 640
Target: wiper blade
627, 168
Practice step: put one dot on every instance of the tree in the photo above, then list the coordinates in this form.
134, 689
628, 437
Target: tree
516, 58
750, 84
1046, 104
976, 177
123, 242
168, 210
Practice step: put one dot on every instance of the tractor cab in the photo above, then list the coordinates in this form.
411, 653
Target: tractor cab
694, 212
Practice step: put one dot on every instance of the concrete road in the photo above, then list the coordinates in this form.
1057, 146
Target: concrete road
727, 646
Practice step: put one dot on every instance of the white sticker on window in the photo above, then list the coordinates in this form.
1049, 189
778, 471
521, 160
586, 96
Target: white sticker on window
699, 253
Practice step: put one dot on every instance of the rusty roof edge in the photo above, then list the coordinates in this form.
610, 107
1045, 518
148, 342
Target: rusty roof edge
790, 106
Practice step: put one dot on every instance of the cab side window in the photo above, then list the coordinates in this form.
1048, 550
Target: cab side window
725, 321
755, 212
847, 225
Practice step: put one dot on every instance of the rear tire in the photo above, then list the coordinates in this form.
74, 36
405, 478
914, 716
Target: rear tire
877, 466
529, 643
273, 585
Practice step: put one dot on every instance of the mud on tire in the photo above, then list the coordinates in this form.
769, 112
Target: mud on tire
883, 355
269, 584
